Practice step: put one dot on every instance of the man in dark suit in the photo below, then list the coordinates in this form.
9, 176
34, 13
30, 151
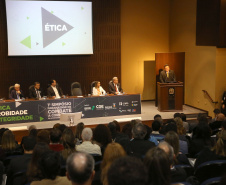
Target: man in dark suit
16, 93
35, 91
167, 75
54, 90
138, 145
114, 86
20, 163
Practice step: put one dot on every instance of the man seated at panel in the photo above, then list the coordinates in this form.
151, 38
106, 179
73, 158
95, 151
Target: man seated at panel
54, 90
35, 92
98, 90
16, 93
167, 75
114, 86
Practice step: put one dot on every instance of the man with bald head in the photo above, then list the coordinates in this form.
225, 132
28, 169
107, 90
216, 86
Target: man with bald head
16, 93
80, 168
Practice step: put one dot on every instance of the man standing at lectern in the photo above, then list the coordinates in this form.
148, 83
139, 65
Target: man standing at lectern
167, 75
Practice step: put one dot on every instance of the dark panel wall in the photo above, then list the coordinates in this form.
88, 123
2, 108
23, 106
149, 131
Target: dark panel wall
102, 65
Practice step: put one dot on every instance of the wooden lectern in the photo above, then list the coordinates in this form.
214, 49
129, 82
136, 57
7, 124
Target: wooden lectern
170, 96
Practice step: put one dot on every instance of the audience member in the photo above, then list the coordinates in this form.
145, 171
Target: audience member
177, 115
56, 125
87, 145
21, 162
9, 145
216, 112
78, 133
218, 152
80, 168
177, 174
43, 136
112, 152
201, 138
49, 165
185, 123
138, 145
181, 131
218, 122
118, 128
102, 136
223, 125
119, 137
127, 171
68, 141
55, 139
156, 126
158, 165
173, 139
62, 127
2, 130
127, 129
33, 172
148, 135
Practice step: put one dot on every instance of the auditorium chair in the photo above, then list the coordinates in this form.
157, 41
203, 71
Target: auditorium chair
181, 183
210, 169
63, 170
97, 157
187, 168
10, 89
212, 181
76, 89
18, 178
92, 86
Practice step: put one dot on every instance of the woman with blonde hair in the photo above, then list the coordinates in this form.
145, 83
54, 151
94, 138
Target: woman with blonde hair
112, 152
98, 90
218, 152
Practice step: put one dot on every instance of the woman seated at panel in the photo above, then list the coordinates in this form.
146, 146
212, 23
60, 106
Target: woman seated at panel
98, 90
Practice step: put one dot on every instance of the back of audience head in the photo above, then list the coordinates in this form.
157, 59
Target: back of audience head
139, 131
156, 125
112, 152
33, 133
157, 162
68, 138
118, 129
216, 111
169, 151
43, 136
80, 168
171, 126
135, 121
157, 116
2, 130
112, 127
180, 128
102, 135
127, 171
127, 129
56, 125
78, 133
202, 118
62, 127
29, 143
177, 115
220, 146
172, 138
55, 135
202, 131
87, 134
49, 164
8, 140
31, 127
220, 117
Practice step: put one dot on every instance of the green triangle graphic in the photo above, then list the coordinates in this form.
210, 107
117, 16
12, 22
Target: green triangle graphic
27, 42
41, 118
63, 44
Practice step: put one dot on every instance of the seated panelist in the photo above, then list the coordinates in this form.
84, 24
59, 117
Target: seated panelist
54, 90
114, 86
98, 90
35, 92
16, 93
167, 75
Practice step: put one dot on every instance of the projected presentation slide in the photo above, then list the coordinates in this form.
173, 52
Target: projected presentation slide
49, 27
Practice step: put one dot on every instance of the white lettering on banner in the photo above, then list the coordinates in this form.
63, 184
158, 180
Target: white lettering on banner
55, 109
12, 113
55, 27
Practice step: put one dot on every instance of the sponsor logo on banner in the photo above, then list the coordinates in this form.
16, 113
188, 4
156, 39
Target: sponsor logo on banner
125, 104
99, 107
114, 106
87, 108
134, 110
122, 111
120, 103
108, 107
134, 104
128, 110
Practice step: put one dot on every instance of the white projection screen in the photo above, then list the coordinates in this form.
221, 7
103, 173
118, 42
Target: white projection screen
49, 27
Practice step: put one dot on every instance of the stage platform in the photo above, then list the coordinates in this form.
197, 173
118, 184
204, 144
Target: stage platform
148, 110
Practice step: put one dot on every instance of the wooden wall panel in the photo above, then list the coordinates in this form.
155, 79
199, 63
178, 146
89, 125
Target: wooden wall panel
102, 65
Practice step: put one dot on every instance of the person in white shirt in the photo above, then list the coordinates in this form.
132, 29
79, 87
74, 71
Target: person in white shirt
98, 90
87, 146
54, 91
